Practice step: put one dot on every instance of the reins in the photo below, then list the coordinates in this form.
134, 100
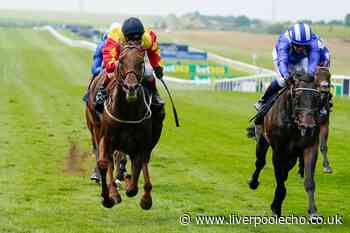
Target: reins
147, 115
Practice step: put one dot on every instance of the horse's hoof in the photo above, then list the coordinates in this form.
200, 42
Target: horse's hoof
117, 199
108, 203
253, 184
315, 218
132, 192
146, 204
327, 169
118, 184
276, 212
95, 177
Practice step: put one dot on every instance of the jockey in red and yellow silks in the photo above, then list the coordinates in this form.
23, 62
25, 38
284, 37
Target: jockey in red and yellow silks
116, 39
132, 30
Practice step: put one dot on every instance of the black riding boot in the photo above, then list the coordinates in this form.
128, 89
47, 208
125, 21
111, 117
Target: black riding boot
330, 103
156, 99
122, 170
270, 91
101, 96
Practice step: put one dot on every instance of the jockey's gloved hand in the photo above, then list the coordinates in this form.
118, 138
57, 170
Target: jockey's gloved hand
158, 71
288, 79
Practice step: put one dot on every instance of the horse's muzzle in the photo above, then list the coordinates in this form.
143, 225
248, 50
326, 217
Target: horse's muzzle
307, 131
307, 125
131, 91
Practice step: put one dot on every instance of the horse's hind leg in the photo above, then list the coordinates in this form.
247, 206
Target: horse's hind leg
132, 184
146, 200
95, 175
261, 149
324, 148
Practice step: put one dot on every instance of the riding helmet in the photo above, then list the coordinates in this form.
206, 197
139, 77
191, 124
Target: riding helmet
301, 34
133, 28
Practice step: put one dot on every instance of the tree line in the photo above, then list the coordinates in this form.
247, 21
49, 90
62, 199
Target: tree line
200, 21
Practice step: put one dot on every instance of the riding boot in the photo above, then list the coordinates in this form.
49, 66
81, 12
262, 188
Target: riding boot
330, 102
156, 99
87, 93
270, 91
101, 95
86, 97
122, 170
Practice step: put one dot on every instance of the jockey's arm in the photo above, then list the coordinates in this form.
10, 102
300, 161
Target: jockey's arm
282, 48
326, 58
150, 43
111, 53
314, 59
97, 59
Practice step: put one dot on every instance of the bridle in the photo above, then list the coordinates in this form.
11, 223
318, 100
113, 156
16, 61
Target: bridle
123, 76
147, 115
296, 109
120, 82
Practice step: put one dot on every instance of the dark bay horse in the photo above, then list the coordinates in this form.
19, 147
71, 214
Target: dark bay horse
291, 128
127, 125
324, 78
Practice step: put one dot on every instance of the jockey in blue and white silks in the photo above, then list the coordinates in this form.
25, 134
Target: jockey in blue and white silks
325, 57
97, 59
98, 55
296, 49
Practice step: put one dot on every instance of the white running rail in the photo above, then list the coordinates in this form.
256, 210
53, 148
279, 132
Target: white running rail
255, 83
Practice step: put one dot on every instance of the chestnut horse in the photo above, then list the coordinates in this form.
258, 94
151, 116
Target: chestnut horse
128, 124
291, 128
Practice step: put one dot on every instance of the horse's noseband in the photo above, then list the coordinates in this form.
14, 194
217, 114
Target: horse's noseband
139, 75
313, 111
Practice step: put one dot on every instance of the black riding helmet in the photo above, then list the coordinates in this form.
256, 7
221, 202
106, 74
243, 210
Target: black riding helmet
133, 29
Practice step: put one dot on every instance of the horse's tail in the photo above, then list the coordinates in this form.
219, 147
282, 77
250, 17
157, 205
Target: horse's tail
251, 131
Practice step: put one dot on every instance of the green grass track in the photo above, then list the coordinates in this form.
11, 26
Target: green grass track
200, 168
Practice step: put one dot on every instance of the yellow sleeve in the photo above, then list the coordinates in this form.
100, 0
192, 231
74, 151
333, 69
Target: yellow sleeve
117, 35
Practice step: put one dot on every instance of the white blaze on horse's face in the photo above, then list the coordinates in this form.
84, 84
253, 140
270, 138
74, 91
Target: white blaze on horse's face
131, 87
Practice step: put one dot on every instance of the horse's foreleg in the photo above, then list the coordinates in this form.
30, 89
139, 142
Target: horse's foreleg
301, 166
132, 184
113, 191
261, 149
310, 158
103, 165
324, 148
146, 201
281, 174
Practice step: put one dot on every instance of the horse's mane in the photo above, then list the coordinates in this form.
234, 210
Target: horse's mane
303, 76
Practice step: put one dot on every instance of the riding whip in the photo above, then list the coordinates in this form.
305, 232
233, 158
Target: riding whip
172, 103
